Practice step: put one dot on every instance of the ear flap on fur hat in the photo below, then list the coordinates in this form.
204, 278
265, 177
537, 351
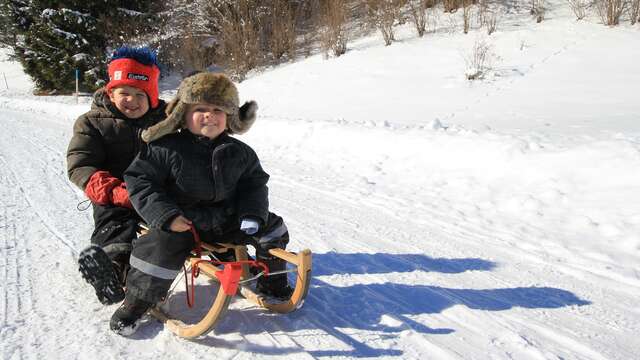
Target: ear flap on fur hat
174, 122
242, 122
171, 105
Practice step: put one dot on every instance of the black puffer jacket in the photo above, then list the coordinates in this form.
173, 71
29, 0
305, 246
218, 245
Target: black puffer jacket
105, 139
214, 183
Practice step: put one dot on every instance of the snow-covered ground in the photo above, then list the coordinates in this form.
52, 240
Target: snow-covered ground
448, 219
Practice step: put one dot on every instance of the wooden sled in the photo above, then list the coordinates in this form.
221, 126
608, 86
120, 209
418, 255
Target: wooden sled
301, 260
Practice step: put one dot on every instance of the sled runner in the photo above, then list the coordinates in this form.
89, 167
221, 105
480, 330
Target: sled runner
234, 278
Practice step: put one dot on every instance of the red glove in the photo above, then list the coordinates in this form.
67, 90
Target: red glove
120, 196
99, 187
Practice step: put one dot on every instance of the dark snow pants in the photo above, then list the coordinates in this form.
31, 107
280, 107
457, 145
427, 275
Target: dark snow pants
158, 256
115, 230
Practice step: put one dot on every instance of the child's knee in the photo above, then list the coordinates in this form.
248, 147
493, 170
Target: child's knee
276, 235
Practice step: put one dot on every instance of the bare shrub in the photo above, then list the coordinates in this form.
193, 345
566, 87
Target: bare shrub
185, 38
333, 20
430, 3
466, 16
401, 17
634, 11
488, 17
451, 5
452, 27
610, 11
196, 52
483, 9
419, 15
433, 18
382, 14
538, 9
281, 31
240, 38
480, 60
579, 8
523, 45
491, 21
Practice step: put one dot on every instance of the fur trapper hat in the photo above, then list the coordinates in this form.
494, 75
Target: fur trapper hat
209, 88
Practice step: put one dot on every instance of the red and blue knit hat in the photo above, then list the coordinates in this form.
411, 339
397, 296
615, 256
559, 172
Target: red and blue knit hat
137, 67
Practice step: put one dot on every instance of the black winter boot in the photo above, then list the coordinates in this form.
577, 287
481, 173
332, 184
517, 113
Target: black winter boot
98, 270
274, 286
126, 319
122, 270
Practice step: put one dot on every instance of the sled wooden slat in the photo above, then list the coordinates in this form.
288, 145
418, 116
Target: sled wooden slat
303, 278
285, 255
240, 250
301, 260
203, 326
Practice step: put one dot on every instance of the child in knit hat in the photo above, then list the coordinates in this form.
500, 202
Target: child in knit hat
194, 174
105, 141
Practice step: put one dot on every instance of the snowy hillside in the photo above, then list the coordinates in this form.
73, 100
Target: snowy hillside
448, 219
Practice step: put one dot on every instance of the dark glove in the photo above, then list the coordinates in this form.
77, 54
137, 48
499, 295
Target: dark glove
207, 218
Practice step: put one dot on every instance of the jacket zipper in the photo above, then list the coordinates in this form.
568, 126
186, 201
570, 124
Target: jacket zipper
137, 140
217, 184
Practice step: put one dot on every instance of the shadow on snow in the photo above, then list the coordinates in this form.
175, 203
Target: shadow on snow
363, 306
333, 263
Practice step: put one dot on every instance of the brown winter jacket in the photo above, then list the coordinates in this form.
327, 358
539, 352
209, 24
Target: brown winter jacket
105, 139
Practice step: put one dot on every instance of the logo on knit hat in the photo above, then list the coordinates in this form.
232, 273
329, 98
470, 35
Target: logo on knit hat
140, 77
117, 75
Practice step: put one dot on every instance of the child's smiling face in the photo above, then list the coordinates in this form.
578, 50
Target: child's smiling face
131, 101
206, 120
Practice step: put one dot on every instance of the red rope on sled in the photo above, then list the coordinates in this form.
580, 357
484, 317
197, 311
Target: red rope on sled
196, 238
229, 276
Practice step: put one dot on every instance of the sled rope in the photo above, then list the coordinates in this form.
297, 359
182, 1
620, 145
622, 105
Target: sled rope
229, 277
196, 238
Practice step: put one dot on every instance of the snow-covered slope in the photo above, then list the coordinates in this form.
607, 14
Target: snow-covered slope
448, 220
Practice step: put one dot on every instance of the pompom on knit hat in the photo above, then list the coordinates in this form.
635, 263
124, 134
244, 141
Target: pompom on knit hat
137, 67
205, 88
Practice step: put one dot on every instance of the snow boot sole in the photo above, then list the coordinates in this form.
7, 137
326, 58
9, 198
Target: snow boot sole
97, 269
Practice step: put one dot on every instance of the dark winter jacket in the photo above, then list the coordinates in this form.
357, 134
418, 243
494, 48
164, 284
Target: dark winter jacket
214, 183
105, 139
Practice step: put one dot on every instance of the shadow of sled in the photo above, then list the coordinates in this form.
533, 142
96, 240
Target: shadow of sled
365, 306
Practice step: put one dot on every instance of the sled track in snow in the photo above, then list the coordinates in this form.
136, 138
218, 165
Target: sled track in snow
17, 299
33, 194
41, 179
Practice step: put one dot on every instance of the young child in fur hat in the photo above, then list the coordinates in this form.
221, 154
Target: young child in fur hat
193, 173
105, 141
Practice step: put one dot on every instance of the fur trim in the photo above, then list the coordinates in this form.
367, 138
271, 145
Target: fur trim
208, 88
241, 123
174, 122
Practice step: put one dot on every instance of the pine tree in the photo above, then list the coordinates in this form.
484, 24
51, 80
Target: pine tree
57, 37
10, 21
